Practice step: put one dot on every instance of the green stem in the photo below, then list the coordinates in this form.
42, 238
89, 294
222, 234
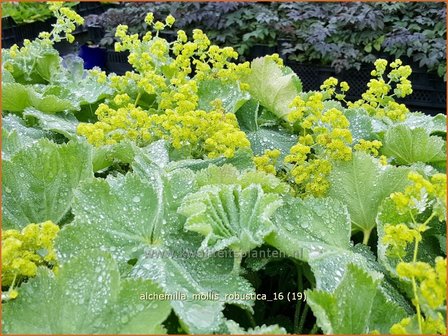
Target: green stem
299, 302
138, 98
11, 288
251, 319
314, 330
429, 219
237, 257
366, 233
414, 289
302, 318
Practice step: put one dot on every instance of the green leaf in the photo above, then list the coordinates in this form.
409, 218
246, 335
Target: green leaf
357, 306
241, 160
16, 135
271, 138
122, 215
64, 123
12, 122
307, 228
362, 184
228, 174
38, 181
12, 143
180, 270
229, 93
274, 88
16, 97
48, 64
432, 125
317, 231
230, 216
247, 115
105, 156
408, 145
360, 124
87, 296
235, 329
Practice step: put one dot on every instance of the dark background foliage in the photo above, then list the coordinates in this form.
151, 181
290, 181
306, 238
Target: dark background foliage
343, 35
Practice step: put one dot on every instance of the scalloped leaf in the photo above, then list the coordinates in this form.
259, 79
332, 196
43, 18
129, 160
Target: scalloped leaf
16, 135
362, 184
228, 174
408, 145
38, 181
272, 86
235, 329
307, 228
229, 93
87, 296
317, 231
271, 138
230, 216
64, 123
122, 215
16, 97
179, 269
356, 306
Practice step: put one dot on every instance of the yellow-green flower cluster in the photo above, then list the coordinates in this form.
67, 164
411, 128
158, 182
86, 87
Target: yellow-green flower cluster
372, 148
416, 198
379, 100
330, 88
326, 136
422, 193
167, 81
174, 79
23, 251
430, 289
66, 21
398, 237
367, 146
213, 133
428, 282
100, 76
430, 326
276, 58
432, 280
22, 61
267, 161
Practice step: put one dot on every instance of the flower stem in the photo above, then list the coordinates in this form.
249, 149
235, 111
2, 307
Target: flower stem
299, 302
366, 238
414, 289
138, 98
237, 257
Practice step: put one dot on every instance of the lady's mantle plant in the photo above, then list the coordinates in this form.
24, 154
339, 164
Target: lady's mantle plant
163, 180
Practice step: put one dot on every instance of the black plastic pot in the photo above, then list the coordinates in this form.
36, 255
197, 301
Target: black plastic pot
96, 33
8, 35
170, 36
32, 30
93, 56
85, 8
260, 50
117, 62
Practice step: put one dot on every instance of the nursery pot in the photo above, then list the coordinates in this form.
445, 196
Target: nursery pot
261, 50
93, 56
96, 33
